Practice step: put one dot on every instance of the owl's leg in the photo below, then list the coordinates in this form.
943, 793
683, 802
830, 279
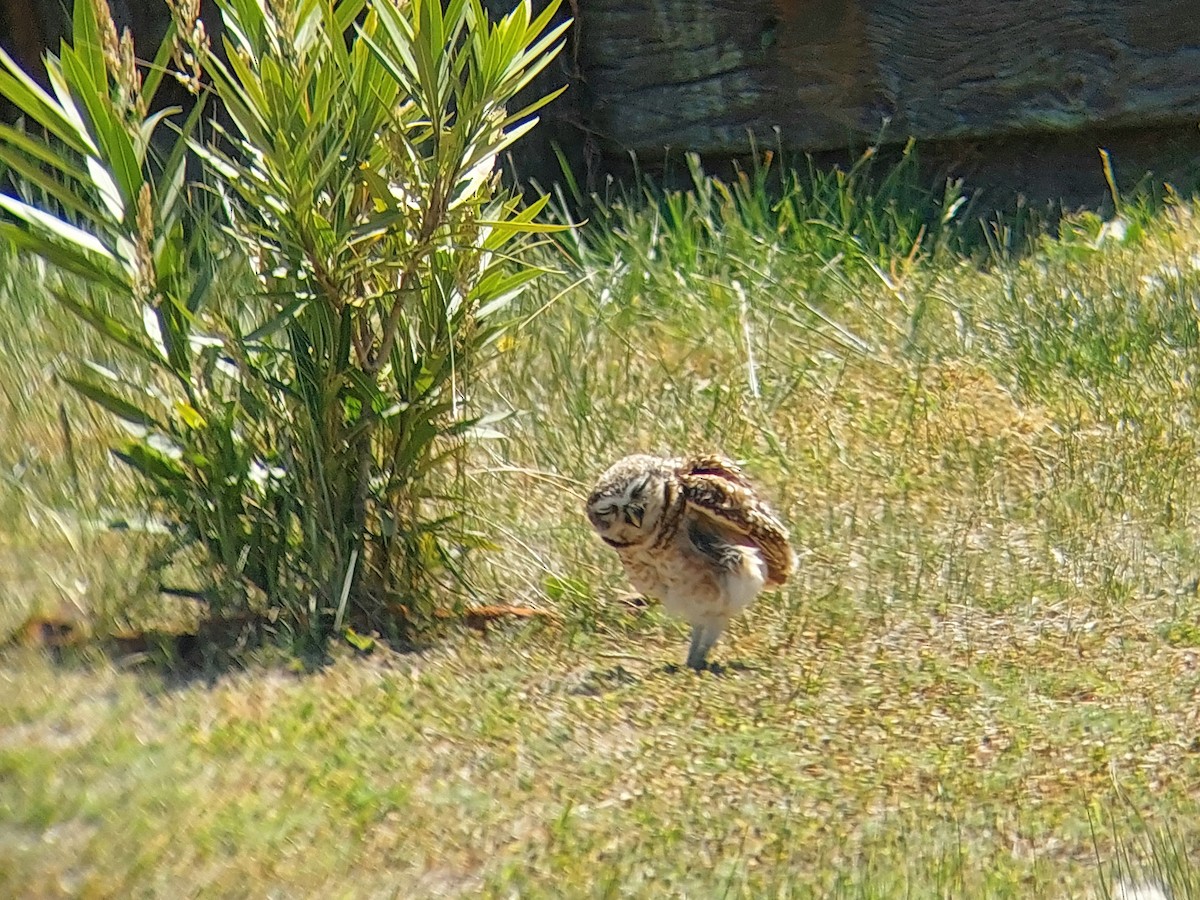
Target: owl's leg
703, 638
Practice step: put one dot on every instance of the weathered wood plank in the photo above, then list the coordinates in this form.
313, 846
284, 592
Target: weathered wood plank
971, 69
827, 73
715, 75
672, 72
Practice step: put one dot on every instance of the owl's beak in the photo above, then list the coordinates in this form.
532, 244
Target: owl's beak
634, 515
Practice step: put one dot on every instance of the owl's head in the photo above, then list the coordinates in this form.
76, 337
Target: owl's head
629, 500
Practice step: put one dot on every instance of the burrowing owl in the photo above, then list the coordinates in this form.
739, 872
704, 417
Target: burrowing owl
692, 533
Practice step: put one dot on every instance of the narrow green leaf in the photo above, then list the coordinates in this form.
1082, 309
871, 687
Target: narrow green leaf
306, 371
190, 415
532, 108
116, 148
85, 35
512, 226
240, 92
173, 326
432, 31
119, 407
498, 289
365, 389
538, 55
159, 65
250, 19
345, 15
199, 293
106, 187
111, 328
36, 175
399, 33
27, 96
40, 150
71, 259
66, 103
172, 182
150, 463
63, 232
549, 11
147, 128
510, 137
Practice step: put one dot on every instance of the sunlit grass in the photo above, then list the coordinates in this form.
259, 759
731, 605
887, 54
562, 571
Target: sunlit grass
980, 683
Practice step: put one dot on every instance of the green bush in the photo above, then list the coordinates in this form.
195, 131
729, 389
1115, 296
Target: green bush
305, 434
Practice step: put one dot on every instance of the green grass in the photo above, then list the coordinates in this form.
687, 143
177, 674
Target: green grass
981, 681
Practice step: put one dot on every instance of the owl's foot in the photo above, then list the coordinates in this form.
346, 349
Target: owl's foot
703, 638
714, 668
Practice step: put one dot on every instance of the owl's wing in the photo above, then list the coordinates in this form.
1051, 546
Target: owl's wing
713, 542
732, 505
716, 466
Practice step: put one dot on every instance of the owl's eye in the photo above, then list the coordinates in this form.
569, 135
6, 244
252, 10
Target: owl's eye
639, 489
605, 512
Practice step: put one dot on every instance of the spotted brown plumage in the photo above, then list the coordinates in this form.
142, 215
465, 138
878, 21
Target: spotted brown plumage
728, 498
693, 533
